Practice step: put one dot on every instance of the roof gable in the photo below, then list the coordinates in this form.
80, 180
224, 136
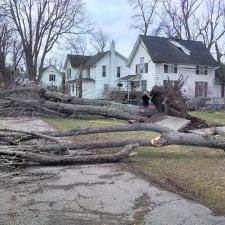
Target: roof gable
88, 61
162, 50
95, 58
77, 60
166, 50
51, 67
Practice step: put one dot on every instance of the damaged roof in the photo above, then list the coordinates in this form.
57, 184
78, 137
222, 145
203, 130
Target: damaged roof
167, 50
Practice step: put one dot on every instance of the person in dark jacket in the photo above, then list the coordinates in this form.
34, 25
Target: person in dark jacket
145, 100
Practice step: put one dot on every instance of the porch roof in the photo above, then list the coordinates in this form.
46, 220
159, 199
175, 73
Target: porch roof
83, 80
130, 78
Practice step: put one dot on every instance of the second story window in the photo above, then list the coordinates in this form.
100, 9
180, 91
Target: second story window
118, 71
170, 68
142, 68
68, 73
88, 72
201, 70
103, 71
51, 77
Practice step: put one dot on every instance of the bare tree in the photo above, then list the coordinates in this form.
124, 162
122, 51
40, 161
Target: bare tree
211, 25
100, 40
5, 41
41, 24
178, 18
78, 45
144, 11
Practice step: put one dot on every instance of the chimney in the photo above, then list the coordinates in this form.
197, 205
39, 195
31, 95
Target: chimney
113, 46
112, 62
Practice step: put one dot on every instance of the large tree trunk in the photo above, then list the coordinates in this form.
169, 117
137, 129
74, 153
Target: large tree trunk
73, 146
17, 90
50, 160
80, 109
189, 139
171, 138
107, 129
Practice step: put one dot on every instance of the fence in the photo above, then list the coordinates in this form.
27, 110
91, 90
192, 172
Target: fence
208, 103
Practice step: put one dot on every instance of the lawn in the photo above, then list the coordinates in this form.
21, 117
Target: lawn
196, 173
214, 117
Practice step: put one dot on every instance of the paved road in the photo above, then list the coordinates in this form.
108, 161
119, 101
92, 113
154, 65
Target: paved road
93, 195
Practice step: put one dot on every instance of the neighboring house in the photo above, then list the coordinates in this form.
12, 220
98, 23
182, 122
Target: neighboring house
100, 73
52, 78
220, 80
155, 60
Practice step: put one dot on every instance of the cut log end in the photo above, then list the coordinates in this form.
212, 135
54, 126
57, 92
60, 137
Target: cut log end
158, 141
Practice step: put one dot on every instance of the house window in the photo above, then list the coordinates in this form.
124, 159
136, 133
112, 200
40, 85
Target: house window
118, 71
201, 70
88, 72
106, 87
222, 90
77, 89
135, 84
144, 85
201, 89
142, 68
68, 88
52, 77
73, 88
165, 68
103, 71
170, 68
170, 82
175, 68
69, 73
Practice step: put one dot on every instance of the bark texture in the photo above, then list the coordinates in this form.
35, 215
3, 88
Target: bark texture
49, 160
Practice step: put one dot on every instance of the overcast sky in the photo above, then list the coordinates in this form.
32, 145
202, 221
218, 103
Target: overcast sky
114, 17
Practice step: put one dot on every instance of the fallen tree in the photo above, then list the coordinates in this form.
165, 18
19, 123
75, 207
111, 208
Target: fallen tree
189, 139
168, 138
50, 160
70, 109
107, 129
170, 98
47, 149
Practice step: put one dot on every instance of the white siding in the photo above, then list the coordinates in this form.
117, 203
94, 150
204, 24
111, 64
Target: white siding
156, 75
150, 76
189, 74
217, 90
74, 71
88, 88
45, 77
94, 90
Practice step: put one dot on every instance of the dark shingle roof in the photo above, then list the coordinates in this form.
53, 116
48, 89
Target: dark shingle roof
88, 61
77, 60
162, 50
95, 58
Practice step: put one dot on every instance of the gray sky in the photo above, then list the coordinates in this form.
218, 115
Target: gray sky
114, 17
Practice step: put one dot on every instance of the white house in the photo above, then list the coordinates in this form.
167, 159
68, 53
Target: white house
155, 60
100, 73
52, 78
